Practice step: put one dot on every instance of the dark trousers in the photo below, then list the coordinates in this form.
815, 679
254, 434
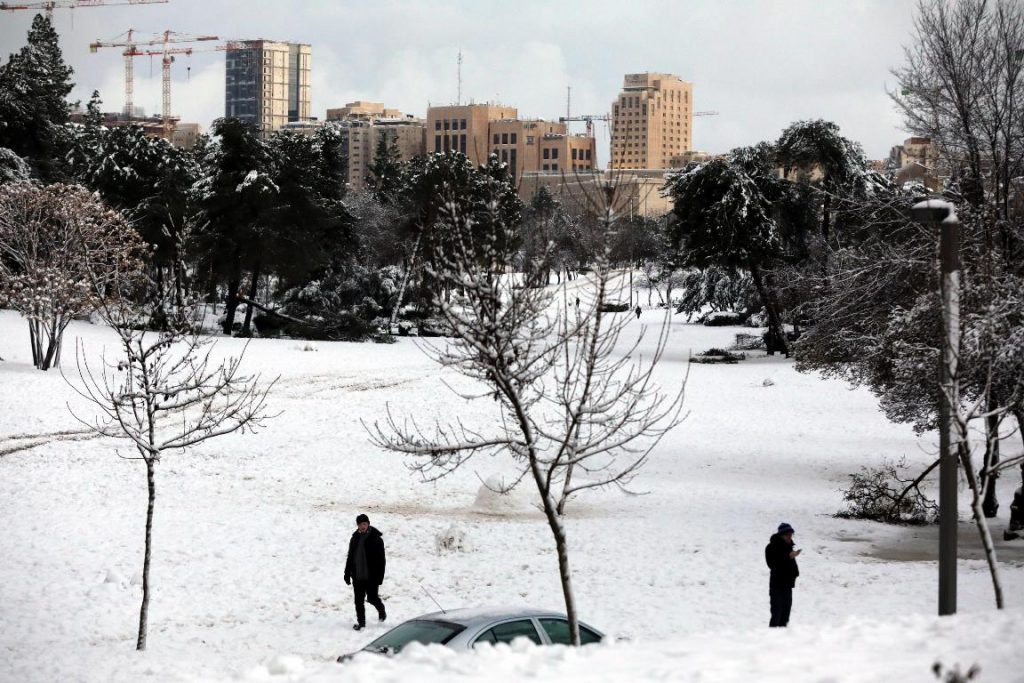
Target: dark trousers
782, 603
366, 590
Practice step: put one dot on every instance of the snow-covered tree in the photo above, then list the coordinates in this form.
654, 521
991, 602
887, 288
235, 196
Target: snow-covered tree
164, 392
721, 217
61, 252
34, 83
234, 194
574, 410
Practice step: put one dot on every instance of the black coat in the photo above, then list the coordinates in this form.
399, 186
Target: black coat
784, 568
374, 549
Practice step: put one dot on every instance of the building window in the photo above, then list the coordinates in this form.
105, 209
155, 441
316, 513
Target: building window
547, 153
504, 155
437, 141
529, 139
512, 162
575, 154
588, 155
447, 143
497, 138
504, 138
437, 124
462, 143
547, 167
554, 167
462, 124
554, 154
513, 138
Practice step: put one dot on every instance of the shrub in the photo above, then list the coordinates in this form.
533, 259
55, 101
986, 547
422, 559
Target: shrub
881, 494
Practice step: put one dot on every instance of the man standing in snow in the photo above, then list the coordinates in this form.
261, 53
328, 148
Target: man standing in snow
781, 559
364, 569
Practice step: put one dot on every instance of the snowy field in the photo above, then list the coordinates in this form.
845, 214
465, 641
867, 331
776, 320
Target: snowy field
250, 534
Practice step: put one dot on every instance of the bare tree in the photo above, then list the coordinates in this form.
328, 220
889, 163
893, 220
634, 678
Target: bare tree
61, 251
165, 392
578, 410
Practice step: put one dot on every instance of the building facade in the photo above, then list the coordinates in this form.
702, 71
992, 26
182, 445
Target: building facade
267, 83
362, 124
526, 145
651, 121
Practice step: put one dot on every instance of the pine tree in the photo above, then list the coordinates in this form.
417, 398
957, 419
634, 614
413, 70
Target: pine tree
33, 86
384, 176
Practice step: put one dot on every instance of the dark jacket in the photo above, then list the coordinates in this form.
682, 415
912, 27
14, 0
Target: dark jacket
784, 569
374, 549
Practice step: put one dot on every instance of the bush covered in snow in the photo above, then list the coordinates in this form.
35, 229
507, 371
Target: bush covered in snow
882, 494
343, 304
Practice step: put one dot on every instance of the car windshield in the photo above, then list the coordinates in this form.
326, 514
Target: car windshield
415, 631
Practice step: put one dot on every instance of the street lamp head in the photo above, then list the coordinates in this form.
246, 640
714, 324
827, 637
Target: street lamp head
933, 211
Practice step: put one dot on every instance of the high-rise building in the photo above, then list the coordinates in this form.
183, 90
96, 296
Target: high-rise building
652, 121
267, 83
526, 145
363, 123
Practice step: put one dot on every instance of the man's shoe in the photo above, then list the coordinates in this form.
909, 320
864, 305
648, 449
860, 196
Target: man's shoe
382, 616
358, 627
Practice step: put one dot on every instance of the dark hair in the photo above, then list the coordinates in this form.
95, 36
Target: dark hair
362, 518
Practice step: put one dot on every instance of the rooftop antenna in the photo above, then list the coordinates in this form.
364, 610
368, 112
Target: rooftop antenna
568, 101
458, 99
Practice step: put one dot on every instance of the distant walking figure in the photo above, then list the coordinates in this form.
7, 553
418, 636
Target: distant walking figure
364, 569
781, 559
638, 312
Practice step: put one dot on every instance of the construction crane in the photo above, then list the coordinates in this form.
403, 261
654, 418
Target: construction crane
590, 118
132, 49
49, 5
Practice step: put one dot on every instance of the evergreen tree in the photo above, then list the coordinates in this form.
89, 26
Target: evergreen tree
235, 196
33, 86
384, 176
722, 218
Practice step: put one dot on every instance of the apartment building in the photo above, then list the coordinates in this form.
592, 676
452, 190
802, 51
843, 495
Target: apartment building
465, 128
651, 122
363, 123
526, 145
267, 83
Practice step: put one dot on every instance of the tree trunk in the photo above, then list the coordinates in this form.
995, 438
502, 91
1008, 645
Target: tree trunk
774, 322
51, 347
231, 304
247, 324
405, 280
977, 495
144, 610
989, 474
562, 549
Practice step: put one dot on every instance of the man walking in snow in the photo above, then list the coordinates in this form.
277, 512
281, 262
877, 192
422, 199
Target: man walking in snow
364, 569
781, 559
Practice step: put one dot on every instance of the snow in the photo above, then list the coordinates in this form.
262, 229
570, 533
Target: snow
250, 534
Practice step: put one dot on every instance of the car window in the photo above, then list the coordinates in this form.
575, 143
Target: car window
415, 631
558, 632
509, 631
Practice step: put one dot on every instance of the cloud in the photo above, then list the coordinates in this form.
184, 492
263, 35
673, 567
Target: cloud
760, 64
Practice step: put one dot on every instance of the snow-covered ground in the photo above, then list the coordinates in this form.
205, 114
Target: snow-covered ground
250, 534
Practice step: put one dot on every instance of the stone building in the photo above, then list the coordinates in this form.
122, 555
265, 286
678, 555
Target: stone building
651, 121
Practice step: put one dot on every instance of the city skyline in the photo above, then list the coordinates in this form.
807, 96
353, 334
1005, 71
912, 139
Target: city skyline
784, 66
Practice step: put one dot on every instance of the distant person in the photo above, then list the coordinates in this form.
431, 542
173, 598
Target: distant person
781, 559
638, 311
364, 569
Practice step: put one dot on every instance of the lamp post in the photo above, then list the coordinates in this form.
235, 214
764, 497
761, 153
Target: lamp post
942, 214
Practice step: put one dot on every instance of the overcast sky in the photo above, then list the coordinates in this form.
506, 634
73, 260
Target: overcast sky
760, 63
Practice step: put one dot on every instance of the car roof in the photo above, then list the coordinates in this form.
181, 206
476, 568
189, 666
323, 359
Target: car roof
475, 616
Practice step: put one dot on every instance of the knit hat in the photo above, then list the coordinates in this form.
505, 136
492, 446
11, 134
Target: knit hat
785, 528
362, 518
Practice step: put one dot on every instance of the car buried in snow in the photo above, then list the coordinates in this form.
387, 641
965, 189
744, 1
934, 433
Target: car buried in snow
464, 629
